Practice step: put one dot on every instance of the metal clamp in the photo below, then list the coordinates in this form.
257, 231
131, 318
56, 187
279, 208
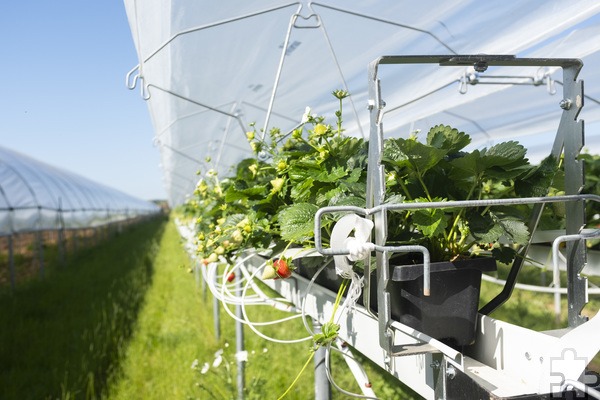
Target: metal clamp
576, 303
382, 249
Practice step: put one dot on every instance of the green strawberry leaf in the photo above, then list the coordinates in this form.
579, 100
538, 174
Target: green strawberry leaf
515, 229
448, 138
297, 222
504, 154
504, 254
430, 221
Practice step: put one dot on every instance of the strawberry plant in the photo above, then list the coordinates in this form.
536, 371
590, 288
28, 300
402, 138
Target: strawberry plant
592, 178
273, 197
554, 216
440, 170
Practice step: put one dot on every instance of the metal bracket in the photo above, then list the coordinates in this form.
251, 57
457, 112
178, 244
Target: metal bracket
569, 136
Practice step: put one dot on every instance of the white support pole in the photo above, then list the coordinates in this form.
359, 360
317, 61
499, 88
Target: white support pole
239, 341
204, 288
216, 313
322, 386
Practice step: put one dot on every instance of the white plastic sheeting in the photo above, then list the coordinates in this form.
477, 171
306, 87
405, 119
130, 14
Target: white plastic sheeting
210, 69
36, 196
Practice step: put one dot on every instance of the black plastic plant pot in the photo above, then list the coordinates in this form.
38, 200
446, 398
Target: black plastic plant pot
449, 313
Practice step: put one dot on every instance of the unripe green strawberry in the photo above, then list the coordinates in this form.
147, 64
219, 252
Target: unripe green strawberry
269, 272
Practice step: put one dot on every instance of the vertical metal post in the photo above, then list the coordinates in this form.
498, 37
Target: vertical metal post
574, 180
322, 386
11, 261
204, 289
196, 269
239, 342
11, 251
216, 311
61, 246
74, 237
40, 241
61, 234
375, 194
438, 369
557, 305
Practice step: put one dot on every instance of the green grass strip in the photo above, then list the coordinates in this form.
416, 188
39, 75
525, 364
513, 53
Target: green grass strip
63, 336
127, 320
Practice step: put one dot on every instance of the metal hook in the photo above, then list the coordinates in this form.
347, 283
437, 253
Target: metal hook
550, 86
462, 88
307, 18
144, 88
544, 76
131, 84
468, 78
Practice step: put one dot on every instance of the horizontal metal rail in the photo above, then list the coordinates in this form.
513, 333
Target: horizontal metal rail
434, 204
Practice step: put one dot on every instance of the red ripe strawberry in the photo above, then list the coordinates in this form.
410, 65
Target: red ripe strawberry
282, 268
230, 277
279, 268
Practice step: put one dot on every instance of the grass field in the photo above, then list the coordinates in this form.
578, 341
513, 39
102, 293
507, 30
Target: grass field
176, 338
127, 320
63, 336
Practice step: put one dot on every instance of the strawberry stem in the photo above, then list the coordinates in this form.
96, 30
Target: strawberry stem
336, 305
338, 298
312, 354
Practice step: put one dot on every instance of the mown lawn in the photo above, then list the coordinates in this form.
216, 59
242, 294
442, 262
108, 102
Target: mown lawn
175, 338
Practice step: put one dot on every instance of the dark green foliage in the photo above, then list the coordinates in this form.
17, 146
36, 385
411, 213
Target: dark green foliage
441, 170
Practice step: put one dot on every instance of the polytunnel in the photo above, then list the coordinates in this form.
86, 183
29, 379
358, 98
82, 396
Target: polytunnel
208, 71
503, 72
35, 196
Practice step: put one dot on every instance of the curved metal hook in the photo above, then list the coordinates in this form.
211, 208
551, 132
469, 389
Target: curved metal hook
544, 76
144, 88
132, 83
307, 18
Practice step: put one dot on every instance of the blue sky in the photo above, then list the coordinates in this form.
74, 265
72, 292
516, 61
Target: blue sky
63, 98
